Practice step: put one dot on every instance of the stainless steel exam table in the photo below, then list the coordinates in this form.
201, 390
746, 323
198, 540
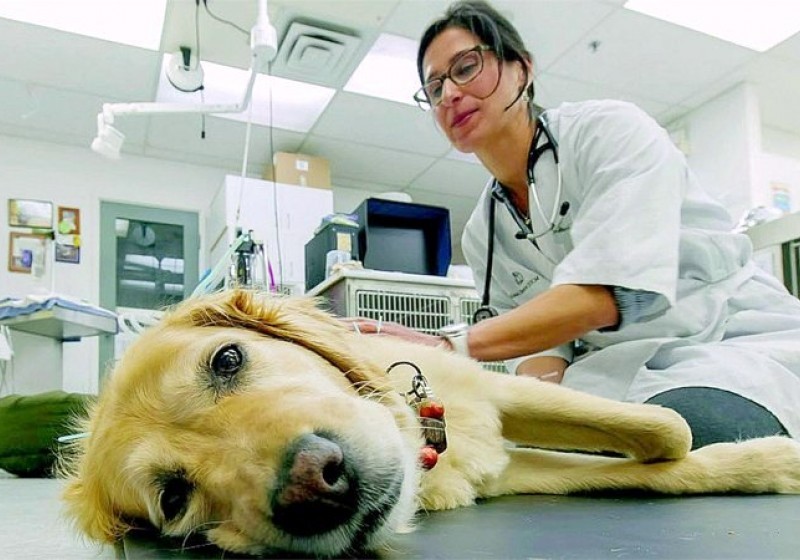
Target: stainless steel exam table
596, 527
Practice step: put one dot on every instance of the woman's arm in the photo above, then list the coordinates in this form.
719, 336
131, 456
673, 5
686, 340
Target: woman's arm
559, 315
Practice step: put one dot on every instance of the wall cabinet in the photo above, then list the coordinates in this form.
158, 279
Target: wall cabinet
283, 216
777, 249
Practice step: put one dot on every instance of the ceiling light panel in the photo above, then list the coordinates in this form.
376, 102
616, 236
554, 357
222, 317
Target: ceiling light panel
389, 71
138, 23
278, 102
754, 24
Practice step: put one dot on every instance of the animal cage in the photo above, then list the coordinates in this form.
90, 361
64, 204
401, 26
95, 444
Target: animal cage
423, 303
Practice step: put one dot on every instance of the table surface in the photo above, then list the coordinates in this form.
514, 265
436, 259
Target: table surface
566, 527
33, 526
62, 324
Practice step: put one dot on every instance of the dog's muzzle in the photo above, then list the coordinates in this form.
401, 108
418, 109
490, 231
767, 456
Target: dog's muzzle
317, 490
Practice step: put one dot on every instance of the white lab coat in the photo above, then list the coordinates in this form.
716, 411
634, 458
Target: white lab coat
639, 220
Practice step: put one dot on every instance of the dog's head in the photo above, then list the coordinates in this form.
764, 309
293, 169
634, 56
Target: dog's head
255, 420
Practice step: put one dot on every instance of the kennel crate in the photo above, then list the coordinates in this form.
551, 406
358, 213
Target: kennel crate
421, 302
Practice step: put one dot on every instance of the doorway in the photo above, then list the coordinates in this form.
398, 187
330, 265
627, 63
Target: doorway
148, 260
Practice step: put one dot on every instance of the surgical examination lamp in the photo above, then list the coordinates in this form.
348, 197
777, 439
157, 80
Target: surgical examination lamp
264, 47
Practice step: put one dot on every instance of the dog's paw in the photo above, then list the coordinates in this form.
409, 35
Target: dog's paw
661, 434
758, 466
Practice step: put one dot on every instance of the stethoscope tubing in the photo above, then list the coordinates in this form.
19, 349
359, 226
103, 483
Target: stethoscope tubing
557, 216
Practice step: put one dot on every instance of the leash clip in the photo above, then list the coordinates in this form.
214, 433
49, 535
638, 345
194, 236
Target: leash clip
430, 413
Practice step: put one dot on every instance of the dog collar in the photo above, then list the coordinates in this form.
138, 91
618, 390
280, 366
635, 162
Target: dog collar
430, 413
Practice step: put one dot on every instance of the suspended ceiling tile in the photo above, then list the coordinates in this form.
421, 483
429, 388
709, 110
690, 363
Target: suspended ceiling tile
788, 49
540, 24
543, 27
777, 83
460, 207
219, 42
224, 138
287, 104
224, 44
651, 59
39, 55
385, 124
55, 112
360, 185
657, 64
409, 19
367, 164
552, 90
452, 177
40, 135
363, 14
18, 100
668, 117
229, 165
773, 116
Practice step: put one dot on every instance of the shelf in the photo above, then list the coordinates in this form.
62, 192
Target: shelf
62, 324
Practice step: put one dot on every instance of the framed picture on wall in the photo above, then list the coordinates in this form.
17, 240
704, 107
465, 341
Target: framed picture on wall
25, 250
69, 220
30, 213
68, 249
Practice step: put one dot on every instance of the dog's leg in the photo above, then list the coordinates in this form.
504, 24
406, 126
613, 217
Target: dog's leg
554, 417
765, 465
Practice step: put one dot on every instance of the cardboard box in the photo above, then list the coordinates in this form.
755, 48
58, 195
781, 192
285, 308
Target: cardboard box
299, 169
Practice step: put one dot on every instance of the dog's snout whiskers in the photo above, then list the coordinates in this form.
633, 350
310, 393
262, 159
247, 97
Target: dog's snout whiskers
194, 531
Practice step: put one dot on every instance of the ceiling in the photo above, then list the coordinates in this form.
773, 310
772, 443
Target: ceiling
53, 84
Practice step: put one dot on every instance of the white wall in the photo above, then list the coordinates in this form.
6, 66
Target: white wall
780, 142
77, 177
780, 164
739, 162
724, 142
347, 200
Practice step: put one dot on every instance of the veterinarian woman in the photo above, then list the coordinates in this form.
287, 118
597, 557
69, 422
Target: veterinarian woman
612, 271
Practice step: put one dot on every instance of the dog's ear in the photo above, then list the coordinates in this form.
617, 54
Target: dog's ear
90, 514
87, 505
294, 319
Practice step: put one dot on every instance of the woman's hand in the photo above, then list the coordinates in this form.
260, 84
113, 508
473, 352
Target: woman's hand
377, 327
544, 368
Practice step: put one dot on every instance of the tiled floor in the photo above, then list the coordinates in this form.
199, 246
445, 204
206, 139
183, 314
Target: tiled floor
32, 525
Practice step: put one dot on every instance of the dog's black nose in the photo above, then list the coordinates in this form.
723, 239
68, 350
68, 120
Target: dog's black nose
316, 490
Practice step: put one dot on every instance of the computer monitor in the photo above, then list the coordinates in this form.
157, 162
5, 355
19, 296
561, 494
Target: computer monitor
404, 237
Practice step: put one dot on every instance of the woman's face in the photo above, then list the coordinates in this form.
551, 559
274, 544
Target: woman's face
472, 113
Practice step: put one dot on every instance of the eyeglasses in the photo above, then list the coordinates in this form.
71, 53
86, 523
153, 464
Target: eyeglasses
467, 66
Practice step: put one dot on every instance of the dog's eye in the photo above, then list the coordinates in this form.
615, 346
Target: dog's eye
174, 497
227, 361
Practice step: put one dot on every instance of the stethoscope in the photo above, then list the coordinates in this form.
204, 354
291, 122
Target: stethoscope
555, 221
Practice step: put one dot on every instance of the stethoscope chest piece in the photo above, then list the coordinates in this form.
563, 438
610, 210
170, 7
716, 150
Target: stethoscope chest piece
484, 312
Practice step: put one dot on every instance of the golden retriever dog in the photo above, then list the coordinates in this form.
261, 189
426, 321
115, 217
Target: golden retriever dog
265, 424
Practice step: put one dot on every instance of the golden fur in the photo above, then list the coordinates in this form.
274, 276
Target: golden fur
174, 443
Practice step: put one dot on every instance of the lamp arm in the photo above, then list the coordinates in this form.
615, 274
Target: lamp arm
110, 110
264, 47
